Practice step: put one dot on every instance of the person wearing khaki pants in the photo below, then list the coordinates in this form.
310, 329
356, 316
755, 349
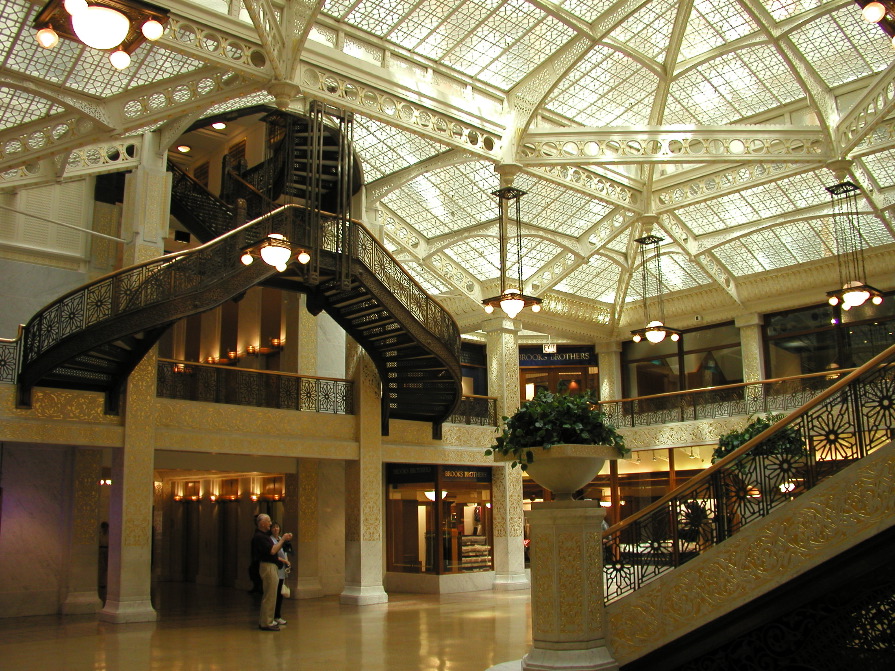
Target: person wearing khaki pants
265, 550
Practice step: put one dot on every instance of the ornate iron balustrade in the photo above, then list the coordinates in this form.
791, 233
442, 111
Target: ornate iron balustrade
765, 396
190, 199
476, 410
9, 360
368, 250
150, 283
845, 422
262, 389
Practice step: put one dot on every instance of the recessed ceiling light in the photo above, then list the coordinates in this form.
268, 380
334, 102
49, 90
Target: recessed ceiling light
183, 148
219, 125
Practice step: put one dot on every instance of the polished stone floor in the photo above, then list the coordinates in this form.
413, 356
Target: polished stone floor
204, 628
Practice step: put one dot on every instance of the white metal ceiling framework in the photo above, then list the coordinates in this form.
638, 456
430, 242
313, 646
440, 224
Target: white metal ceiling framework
709, 123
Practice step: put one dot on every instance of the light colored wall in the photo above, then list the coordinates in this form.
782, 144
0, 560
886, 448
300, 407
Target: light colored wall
330, 347
26, 288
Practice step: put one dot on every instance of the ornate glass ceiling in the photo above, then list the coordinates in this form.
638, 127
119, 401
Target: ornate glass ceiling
709, 124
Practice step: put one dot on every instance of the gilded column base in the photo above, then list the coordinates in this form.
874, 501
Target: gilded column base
507, 582
590, 659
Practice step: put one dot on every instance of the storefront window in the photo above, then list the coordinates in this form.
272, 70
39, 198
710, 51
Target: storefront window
572, 369
806, 341
438, 518
706, 357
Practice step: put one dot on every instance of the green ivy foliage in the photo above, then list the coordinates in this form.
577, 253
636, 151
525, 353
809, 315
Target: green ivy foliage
786, 442
554, 419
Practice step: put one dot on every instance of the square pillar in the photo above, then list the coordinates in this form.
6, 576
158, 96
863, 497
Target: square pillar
83, 561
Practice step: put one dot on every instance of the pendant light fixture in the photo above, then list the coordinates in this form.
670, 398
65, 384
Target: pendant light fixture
511, 300
655, 330
854, 289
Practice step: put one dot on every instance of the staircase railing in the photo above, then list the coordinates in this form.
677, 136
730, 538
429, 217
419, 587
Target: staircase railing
259, 388
745, 398
190, 199
368, 250
153, 282
842, 424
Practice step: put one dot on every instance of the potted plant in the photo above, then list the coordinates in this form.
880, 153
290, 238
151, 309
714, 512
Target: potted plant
558, 425
786, 442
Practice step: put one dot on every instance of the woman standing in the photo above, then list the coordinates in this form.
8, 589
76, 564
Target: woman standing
282, 567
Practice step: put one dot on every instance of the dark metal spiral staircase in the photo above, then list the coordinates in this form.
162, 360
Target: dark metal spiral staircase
93, 337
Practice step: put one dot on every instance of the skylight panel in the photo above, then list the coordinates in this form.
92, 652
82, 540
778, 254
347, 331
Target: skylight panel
881, 167
480, 256
738, 259
338, 8
647, 31
724, 212
259, 98
431, 282
605, 88
679, 274
161, 64
385, 149
378, 17
588, 10
842, 47
783, 9
557, 209
465, 19
736, 85
711, 25
446, 200
417, 26
596, 280
526, 53
14, 14
18, 107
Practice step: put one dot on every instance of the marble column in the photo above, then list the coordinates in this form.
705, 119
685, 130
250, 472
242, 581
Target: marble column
752, 347
506, 492
208, 572
130, 518
364, 496
147, 205
306, 575
609, 360
83, 559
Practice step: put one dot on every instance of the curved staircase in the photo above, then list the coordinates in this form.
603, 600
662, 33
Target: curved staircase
93, 337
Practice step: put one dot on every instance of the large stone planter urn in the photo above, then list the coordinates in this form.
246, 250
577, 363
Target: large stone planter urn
564, 469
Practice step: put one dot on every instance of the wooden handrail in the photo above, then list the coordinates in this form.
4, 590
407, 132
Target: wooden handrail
738, 385
250, 370
835, 388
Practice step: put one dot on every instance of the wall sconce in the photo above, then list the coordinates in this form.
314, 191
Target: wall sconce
277, 343
104, 24
105, 482
254, 497
252, 350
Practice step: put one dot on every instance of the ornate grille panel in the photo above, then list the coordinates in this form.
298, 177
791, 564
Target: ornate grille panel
477, 410
851, 419
9, 360
261, 389
745, 399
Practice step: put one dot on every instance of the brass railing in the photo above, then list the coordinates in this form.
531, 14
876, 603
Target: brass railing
476, 410
263, 389
763, 396
845, 422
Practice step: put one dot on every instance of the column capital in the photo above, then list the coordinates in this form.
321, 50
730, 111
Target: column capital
608, 347
751, 319
497, 324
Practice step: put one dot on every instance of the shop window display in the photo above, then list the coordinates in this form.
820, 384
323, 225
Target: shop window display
438, 518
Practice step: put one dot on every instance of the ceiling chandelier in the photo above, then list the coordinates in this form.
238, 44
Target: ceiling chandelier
880, 13
512, 301
276, 251
122, 25
655, 330
849, 250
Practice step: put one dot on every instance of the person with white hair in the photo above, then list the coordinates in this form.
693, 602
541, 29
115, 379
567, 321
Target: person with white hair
265, 550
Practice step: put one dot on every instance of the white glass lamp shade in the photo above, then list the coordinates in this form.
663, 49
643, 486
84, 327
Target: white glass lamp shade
636, 337
303, 257
536, 307
246, 259
489, 308
152, 30
276, 250
511, 304
655, 336
855, 294
120, 59
873, 12
74, 6
100, 27
877, 300
47, 38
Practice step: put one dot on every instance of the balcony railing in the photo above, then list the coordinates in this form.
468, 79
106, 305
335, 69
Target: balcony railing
764, 396
263, 389
476, 410
854, 416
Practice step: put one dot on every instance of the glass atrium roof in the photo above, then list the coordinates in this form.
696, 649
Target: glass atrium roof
708, 124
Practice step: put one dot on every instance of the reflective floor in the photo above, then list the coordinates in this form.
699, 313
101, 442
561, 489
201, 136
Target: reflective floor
215, 629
